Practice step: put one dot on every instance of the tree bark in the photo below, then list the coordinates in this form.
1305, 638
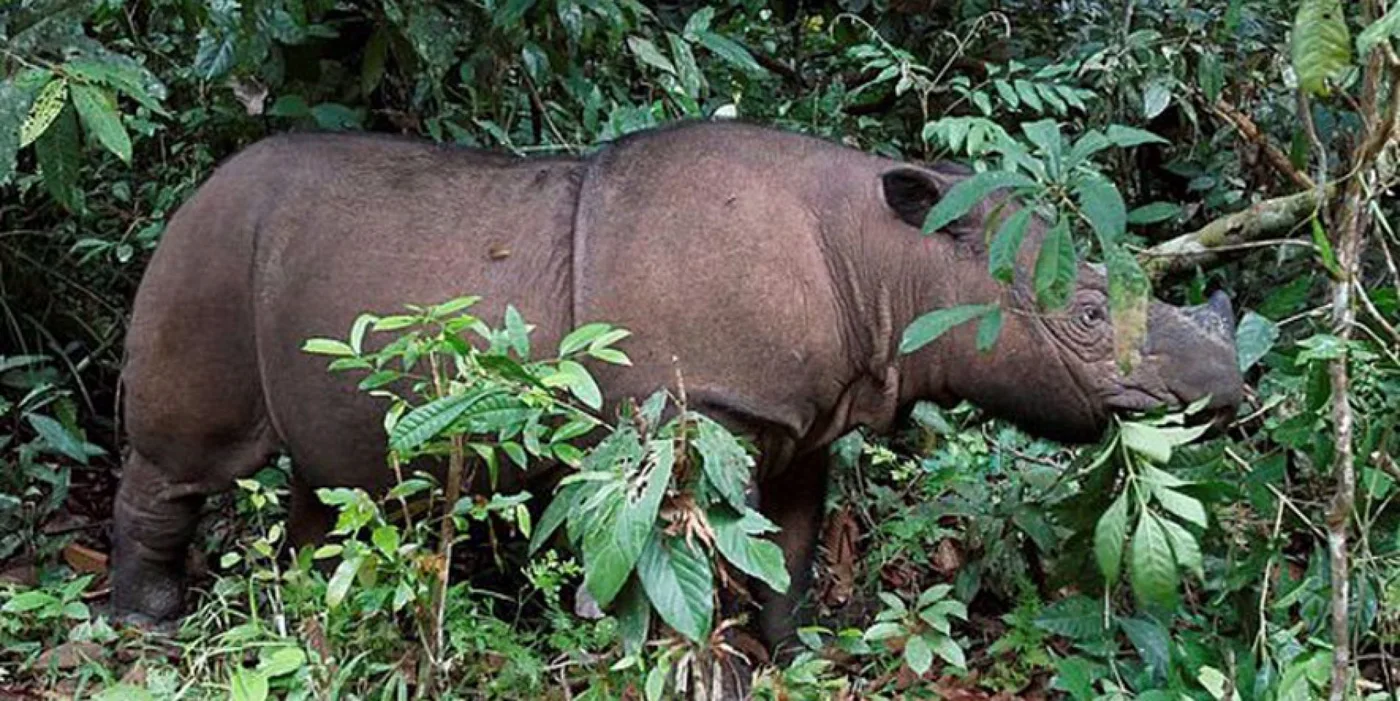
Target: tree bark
1202, 247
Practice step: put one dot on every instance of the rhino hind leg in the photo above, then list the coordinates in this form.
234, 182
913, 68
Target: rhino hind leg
155, 517
794, 503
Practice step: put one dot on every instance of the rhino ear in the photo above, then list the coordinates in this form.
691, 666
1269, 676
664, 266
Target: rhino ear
911, 193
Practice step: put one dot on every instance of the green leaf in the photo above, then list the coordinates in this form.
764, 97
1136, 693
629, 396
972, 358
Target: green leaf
1103, 206
615, 541
215, 55
1154, 576
327, 346
1187, 508
1321, 44
554, 515
386, 538
1007, 93
579, 338
948, 649
925, 329
14, 107
1077, 618
1077, 675
988, 330
1154, 213
341, 579
678, 581
699, 22
247, 685
372, 66
965, 195
280, 661
122, 74
100, 118
58, 438
60, 158
917, 654
427, 421
648, 53
1324, 249
1156, 98
1383, 29
1185, 548
737, 538
1145, 440
1254, 337
1210, 76
43, 111
1045, 134
725, 462
633, 616
1127, 137
1006, 245
577, 378
1109, 535
1026, 91
1129, 296
510, 13
730, 51
1056, 267
1152, 643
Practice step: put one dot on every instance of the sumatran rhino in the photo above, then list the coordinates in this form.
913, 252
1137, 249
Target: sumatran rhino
776, 271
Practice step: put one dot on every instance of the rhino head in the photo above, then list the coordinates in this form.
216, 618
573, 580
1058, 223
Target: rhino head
1055, 373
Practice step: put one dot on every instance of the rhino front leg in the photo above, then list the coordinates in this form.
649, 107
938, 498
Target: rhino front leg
794, 501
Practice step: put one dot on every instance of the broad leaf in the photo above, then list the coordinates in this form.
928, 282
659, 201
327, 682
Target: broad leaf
965, 195
988, 329
678, 581
1152, 643
45, 109
730, 51
60, 156
647, 52
738, 539
1109, 535
1126, 137
927, 328
100, 118
1006, 245
1185, 548
633, 616
727, 465
1129, 295
1383, 29
1154, 213
1153, 573
917, 654
1187, 508
58, 438
1077, 618
427, 421
1056, 267
613, 543
1321, 44
1103, 206
1254, 337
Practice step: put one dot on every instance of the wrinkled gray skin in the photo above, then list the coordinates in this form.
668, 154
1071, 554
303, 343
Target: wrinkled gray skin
777, 270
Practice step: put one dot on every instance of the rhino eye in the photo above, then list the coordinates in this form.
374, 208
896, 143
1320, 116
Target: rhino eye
1092, 315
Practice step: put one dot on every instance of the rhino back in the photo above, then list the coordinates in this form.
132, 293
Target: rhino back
707, 241
362, 224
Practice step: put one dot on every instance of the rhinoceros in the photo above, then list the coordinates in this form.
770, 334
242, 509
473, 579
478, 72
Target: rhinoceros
776, 270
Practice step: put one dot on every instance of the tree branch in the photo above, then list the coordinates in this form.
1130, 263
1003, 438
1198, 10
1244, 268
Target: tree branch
1205, 246
1250, 131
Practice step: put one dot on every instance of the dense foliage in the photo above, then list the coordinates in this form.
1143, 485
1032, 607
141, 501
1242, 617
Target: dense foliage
1242, 144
